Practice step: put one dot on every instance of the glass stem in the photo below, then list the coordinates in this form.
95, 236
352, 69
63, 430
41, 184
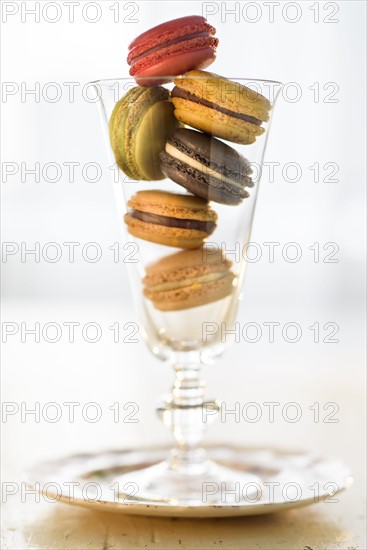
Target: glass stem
186, 413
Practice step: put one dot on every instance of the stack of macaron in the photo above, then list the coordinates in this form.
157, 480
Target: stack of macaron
156, 133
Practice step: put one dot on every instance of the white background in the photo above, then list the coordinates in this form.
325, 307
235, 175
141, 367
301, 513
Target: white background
305, 131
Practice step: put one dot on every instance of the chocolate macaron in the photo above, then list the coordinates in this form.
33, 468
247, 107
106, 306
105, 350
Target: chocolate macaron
206, 166
189, 278
171, 219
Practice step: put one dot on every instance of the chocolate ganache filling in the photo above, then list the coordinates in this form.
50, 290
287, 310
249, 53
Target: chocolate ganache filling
183, 94
173, 222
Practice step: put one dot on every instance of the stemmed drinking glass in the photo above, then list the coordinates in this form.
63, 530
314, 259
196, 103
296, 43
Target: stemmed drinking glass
193, 337
190, 480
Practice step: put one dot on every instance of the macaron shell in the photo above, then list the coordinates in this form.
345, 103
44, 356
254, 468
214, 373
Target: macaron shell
165, 32
216, 123
155, 126
118, 134
171, 64
172, 205
193, 259
192, 296
185, 265
168, 236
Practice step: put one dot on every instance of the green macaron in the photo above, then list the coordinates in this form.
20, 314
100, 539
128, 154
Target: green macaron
139, 126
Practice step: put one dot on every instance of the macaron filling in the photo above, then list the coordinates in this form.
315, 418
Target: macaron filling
198, 225
184, 94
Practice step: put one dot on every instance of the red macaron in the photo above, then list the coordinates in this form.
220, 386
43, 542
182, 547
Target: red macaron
171, 49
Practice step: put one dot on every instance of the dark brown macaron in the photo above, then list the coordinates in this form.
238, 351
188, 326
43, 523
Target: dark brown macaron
206, 167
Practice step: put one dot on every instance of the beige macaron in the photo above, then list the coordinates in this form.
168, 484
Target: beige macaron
188, 279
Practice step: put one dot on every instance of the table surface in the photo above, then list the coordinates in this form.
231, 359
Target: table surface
49, 374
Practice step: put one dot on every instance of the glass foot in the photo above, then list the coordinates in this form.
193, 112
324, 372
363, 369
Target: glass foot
205, 483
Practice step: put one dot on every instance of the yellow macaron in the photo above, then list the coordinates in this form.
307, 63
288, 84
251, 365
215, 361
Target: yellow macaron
220, 107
